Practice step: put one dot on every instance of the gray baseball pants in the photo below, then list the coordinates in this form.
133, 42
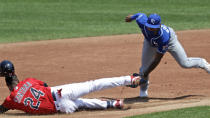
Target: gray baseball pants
175, 49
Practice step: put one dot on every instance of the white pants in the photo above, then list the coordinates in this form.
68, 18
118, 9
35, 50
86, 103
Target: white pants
70, 100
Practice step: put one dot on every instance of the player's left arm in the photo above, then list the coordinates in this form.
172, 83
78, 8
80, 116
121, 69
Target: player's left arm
3, 109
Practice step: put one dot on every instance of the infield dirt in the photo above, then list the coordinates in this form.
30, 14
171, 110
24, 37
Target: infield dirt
65, 61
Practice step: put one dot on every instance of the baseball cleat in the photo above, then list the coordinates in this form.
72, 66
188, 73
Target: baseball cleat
143, 93
118, 104
144, 88
115, 104
135, 80
207, 66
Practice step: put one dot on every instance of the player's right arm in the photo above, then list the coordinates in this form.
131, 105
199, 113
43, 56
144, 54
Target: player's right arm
140, 18
3, 109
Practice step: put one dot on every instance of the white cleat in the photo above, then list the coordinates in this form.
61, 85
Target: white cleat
135, 80
143, 94
144, 90
207, 66
118, 104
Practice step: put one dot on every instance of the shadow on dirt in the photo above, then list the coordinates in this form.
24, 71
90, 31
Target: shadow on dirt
139, 99
146, 99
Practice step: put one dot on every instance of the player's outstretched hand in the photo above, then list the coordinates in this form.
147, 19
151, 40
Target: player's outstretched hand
128, 18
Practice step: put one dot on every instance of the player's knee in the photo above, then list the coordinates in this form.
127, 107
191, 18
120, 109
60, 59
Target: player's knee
185, 64
67, 106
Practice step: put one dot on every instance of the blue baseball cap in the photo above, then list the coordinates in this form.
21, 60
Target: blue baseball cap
153, 21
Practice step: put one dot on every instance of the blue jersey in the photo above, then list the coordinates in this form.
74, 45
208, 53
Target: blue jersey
159, 40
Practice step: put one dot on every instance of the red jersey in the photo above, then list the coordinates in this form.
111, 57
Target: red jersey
31, 96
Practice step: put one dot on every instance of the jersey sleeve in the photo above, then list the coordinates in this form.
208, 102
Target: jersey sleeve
140, 18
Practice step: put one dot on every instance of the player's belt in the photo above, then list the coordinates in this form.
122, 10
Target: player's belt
55, 102
53, 95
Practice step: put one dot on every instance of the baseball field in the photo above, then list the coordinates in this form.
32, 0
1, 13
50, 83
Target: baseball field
69, 41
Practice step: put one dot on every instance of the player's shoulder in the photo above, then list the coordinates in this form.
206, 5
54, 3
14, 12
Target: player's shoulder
164, 27
165, 30
165, 34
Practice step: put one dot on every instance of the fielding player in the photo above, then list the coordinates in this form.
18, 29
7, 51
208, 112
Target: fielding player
160, 39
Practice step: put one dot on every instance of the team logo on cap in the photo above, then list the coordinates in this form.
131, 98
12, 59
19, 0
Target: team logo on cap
153, 21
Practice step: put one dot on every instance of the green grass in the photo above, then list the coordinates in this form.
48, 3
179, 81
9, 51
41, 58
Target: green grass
26, 20
195, 112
